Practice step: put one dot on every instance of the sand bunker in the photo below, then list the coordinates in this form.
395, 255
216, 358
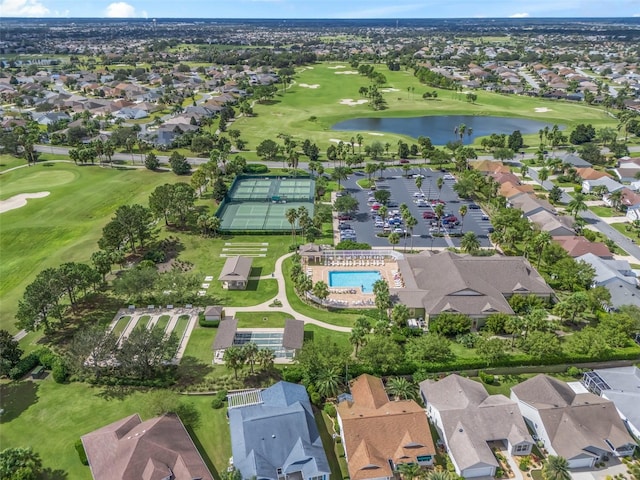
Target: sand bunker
347, 72
376, 134
337, 140
305, 85
542, 110
336, 67
389, 90
351, 102
18, 201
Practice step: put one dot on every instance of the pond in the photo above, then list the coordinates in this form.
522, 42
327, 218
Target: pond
441, 128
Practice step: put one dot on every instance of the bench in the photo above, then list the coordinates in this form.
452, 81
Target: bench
37, 372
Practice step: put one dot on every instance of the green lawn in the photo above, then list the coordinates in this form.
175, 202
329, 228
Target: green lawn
605, 212
66, 225
334, 451
121, 325
144, 320
622, 228
50, 418
162, 322
261, 319
181, 326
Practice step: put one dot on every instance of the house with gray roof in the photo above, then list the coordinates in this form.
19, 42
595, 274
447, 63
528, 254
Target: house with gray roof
591, 185
581, 427
621, 386
274, 435
617, 276
470, 421
473, 286
556, 225
530, 204
573, 160
235, 273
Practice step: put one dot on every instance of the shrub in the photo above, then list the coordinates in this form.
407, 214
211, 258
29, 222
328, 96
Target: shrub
486, 377
468, 340
524, 464
292, 374
60, 372
217, 403
255, 168
329, 409
574, 372
46, 357
24, 366
81, 453
208, 323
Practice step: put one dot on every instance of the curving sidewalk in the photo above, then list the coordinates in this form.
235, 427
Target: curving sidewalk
286, 306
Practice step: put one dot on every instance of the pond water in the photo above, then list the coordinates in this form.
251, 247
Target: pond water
441, 128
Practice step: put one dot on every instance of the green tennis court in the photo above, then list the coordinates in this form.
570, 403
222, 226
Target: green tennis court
260, 203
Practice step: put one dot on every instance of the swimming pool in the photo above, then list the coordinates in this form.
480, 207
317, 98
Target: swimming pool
363, 279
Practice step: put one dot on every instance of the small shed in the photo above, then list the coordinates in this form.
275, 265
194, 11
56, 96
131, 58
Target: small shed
293, 335
235, 273
214, 312
310, 252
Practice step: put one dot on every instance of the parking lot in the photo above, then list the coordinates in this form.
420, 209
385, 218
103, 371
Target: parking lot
404, 190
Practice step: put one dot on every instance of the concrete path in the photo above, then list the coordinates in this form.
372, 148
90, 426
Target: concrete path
286, 306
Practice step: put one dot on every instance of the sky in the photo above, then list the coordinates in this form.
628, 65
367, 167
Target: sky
319, 8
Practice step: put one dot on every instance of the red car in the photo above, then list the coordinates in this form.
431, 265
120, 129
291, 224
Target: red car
344, 216
404, 160
428, 215
435, 202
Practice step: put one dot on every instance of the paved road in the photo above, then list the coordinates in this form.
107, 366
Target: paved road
529, 78
592, 219
612, 91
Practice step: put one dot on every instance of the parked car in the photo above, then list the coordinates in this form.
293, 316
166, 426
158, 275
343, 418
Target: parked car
485, 216
404, 160
418, 194
473, 206
428, 215
345, 226
438, 201
490, 230
448, 176
344, 216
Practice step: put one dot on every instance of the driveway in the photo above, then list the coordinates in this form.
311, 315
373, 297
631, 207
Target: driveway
404, 190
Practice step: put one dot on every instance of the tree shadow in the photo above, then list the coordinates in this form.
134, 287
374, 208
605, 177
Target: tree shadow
49, 474
252, 285
116, 392
256, 272
203, 452
15, 398
192, 371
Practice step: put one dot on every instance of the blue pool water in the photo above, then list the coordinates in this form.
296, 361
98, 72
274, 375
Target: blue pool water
358, 279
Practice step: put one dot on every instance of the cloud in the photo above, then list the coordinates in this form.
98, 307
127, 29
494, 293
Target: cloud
519, 15
120, 10
23, 8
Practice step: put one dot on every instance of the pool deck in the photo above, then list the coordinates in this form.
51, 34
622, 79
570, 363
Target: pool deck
347, 299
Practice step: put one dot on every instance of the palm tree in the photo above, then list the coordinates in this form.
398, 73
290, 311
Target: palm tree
291, 216
382, 211
439, 184
265, 358
359, 139
541, 241
577, 205
439, 211
411, 223
614, 197
543, 174
470, 243
394, 239
556, 468
358, 338
439, 475
401, 388
328, 382
233, 358
462, 212
411, 470
250, 353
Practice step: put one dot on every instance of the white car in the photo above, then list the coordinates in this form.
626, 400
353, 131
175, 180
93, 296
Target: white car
448, 176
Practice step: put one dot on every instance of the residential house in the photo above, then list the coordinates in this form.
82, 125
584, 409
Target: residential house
509, 189
130, 449
627, 169
474, 286
489, 166
379, 434
530, 204
130, 113
470, 421
274, 435
574, 160
556, 225
618, 277
588, 173
629, 200
604, 183
622, 386
581, 427
52, 117
235, 273
577, 246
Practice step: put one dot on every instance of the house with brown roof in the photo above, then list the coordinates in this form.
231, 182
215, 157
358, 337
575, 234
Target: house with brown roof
502, 177
576, 246
157, 449
510, 189
473, 286
574, 424
235, 273
556, 225
379, 434
588, 173
530, 204
489, 166
470, 421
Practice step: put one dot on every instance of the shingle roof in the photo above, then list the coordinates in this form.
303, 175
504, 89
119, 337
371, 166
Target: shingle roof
377, 430
471, 417
576, 246
236, 269
293, 335
279, 433
130, 449
624, 383
225, 334
573, 421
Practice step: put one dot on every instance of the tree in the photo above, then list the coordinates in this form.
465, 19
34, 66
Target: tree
382, 297
265, 358
292, 216
220, 189
409, 471
145, 351
540, 344
319, 355
161, 202
268, 150
151, 161
463, 212
543, 174
40, 301
394, 239
402, 389
555, 194
429, 348
179, 164
515, 141
234, 359
556, 468
381, 354
577, 205
400, 314
491, 350
10, 352
250, 354
588, 342
450, 324
183, 202
328, 382
346, 204
20, 464
358, 337
496, 322
382, 196
102, 262
339, 174
321, 290
574, 305
92, 347
470, 243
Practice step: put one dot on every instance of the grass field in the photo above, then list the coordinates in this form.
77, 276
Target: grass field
304, 112
121, 325
162, 322
66, 225
44, 415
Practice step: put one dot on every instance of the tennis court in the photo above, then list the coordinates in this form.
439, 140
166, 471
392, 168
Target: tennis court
260, 203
